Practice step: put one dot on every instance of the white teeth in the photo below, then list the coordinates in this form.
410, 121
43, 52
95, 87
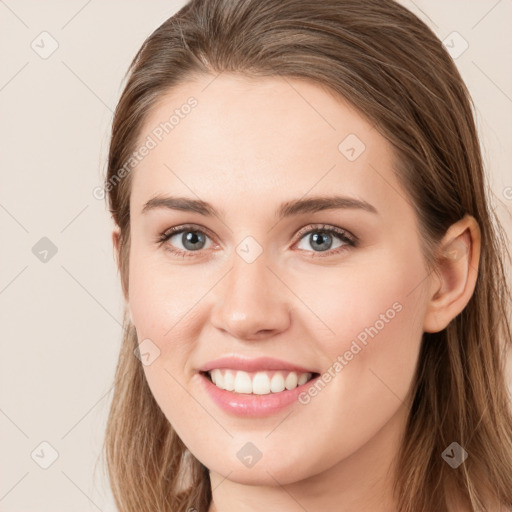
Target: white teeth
229, 381
303, 378
217, 378
243, 383
261, 384
277, 383
291, 381
258, 383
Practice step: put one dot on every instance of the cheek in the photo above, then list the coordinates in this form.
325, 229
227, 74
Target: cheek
368, 332
372, 346
163, 297
372, 365
162, 305
374, 301
382, 313
165, 306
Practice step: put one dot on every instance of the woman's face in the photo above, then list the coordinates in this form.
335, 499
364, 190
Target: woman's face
249, 282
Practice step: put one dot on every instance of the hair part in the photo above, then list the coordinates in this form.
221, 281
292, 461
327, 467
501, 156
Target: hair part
393, 69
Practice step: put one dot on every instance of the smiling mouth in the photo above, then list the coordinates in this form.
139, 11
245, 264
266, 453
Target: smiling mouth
257, 383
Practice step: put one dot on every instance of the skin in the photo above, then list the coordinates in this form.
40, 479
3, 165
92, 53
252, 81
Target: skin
248, 146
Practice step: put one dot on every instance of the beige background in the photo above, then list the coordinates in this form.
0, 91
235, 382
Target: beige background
61, 319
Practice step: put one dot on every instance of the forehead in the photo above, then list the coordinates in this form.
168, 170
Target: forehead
259, 139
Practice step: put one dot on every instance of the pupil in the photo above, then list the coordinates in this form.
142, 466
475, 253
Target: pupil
323, 237
192, 238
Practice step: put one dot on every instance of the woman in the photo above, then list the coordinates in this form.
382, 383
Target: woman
316, 301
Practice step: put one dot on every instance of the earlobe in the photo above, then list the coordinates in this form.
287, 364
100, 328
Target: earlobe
456, 273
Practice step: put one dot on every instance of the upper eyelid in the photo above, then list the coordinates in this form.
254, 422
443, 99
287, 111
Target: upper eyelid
176, 230
341, 232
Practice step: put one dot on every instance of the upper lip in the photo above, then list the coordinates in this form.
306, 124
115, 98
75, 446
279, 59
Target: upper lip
251, 365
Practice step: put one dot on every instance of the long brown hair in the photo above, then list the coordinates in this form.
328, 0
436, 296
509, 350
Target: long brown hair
391, 67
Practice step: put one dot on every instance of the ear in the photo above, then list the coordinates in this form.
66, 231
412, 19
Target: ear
116, 238
116, 243
454, 278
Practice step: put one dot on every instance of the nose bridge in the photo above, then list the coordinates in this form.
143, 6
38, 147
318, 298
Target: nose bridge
251, 299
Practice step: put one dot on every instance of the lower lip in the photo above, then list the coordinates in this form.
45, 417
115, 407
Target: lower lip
245, 404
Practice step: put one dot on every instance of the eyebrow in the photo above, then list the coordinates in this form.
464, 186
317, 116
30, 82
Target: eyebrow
287, 209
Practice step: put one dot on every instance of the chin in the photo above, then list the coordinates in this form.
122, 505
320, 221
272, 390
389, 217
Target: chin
264, 472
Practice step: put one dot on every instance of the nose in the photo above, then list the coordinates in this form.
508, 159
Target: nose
251, 302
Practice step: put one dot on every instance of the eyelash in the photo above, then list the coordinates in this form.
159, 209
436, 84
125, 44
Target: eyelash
349, 239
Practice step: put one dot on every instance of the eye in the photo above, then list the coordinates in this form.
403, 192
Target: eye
320, 237
191, 239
